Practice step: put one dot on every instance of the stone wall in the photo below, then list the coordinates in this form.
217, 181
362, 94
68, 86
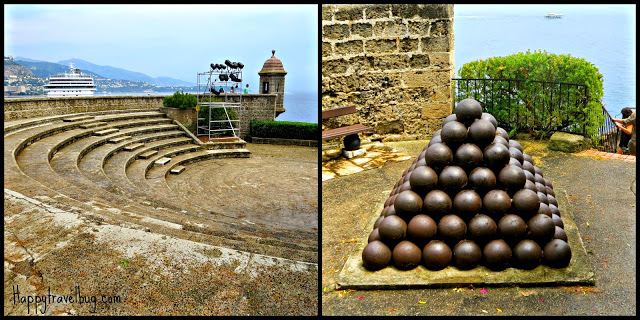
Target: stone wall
254, 106
22, 108
394, 62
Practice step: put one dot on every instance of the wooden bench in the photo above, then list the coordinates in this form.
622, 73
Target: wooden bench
342, 131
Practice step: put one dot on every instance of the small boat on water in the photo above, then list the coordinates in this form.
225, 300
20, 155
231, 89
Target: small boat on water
553, 15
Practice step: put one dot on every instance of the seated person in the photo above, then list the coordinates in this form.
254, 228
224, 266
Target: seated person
628, 126
624, 137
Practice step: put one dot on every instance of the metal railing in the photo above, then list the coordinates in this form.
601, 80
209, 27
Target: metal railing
529, 104
609, 135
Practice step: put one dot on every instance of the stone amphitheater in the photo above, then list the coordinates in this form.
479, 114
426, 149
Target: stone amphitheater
129, 205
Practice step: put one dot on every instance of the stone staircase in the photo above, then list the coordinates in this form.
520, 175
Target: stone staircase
112, 167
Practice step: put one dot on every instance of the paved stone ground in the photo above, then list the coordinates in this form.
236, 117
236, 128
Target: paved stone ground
334, 164
49, 250
601, 193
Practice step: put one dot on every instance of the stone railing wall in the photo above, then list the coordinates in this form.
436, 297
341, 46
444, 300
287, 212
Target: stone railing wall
254, 106
22, 108
395, 62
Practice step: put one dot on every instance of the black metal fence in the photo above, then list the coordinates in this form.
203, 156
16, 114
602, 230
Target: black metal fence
609, 135
529, 104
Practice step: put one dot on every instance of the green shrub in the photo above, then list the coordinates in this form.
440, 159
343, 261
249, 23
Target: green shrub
531, 101
218, 114
180, 100
285, 130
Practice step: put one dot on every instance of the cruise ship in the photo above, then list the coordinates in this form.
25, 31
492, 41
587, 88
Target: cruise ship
72, 84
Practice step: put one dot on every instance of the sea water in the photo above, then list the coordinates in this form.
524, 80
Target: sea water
603, 35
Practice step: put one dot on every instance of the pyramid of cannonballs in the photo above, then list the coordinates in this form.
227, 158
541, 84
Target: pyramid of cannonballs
471, 198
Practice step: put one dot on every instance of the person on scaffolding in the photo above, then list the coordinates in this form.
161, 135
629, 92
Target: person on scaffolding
628, 126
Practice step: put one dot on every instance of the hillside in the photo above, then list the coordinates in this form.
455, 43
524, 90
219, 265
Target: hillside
12, 68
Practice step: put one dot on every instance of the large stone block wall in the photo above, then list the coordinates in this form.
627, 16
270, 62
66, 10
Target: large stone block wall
394, 62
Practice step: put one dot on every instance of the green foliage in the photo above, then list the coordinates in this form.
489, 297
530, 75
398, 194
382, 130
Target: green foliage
180, 100
531, 104
285, 130
216, 115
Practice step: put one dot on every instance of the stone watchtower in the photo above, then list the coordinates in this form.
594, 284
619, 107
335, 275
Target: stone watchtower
272, 80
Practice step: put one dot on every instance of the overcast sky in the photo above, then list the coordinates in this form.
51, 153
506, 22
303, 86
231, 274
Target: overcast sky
176, 41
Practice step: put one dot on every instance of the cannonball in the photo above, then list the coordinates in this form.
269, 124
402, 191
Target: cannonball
468, 110
528, 158
503, 133
497, 202
516, 144
467, 203
541, 228
421, 229
511, 178
540, 187
490, 118
373, 236
438, 156
515, 162
539, 178
351, 142
525, 202
527, 165
516, 153
408, 203
389, 201
423, 179
451, 227
406, 255
482, 132
538, 171
466, 255
543, 198
500, 139
482, 179
392, 228
544, 209
437, 133
421, 156
377, 223
453, 133
449, 118
560, 234
527, 254
437, 203
496, 254
529, 176
549, 191
452, 179
376, 255
557, 220
434, 140
468, 156
548, 183
436, 255
482, 228
391, 211
512, 227
496, 156
530, 185
554, 209
556, 253
552, 200
405, 186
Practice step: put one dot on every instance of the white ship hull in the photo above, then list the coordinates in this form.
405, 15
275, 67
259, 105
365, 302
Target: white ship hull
73, 84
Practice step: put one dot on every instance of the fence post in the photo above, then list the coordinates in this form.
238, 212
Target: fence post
584, 108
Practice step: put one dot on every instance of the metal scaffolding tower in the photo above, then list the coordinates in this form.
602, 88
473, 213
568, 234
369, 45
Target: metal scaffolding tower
225, 76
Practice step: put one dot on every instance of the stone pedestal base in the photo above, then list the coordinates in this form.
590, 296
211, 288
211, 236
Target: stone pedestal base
354, 153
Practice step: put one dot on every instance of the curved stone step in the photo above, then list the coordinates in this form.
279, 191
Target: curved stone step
15, 125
